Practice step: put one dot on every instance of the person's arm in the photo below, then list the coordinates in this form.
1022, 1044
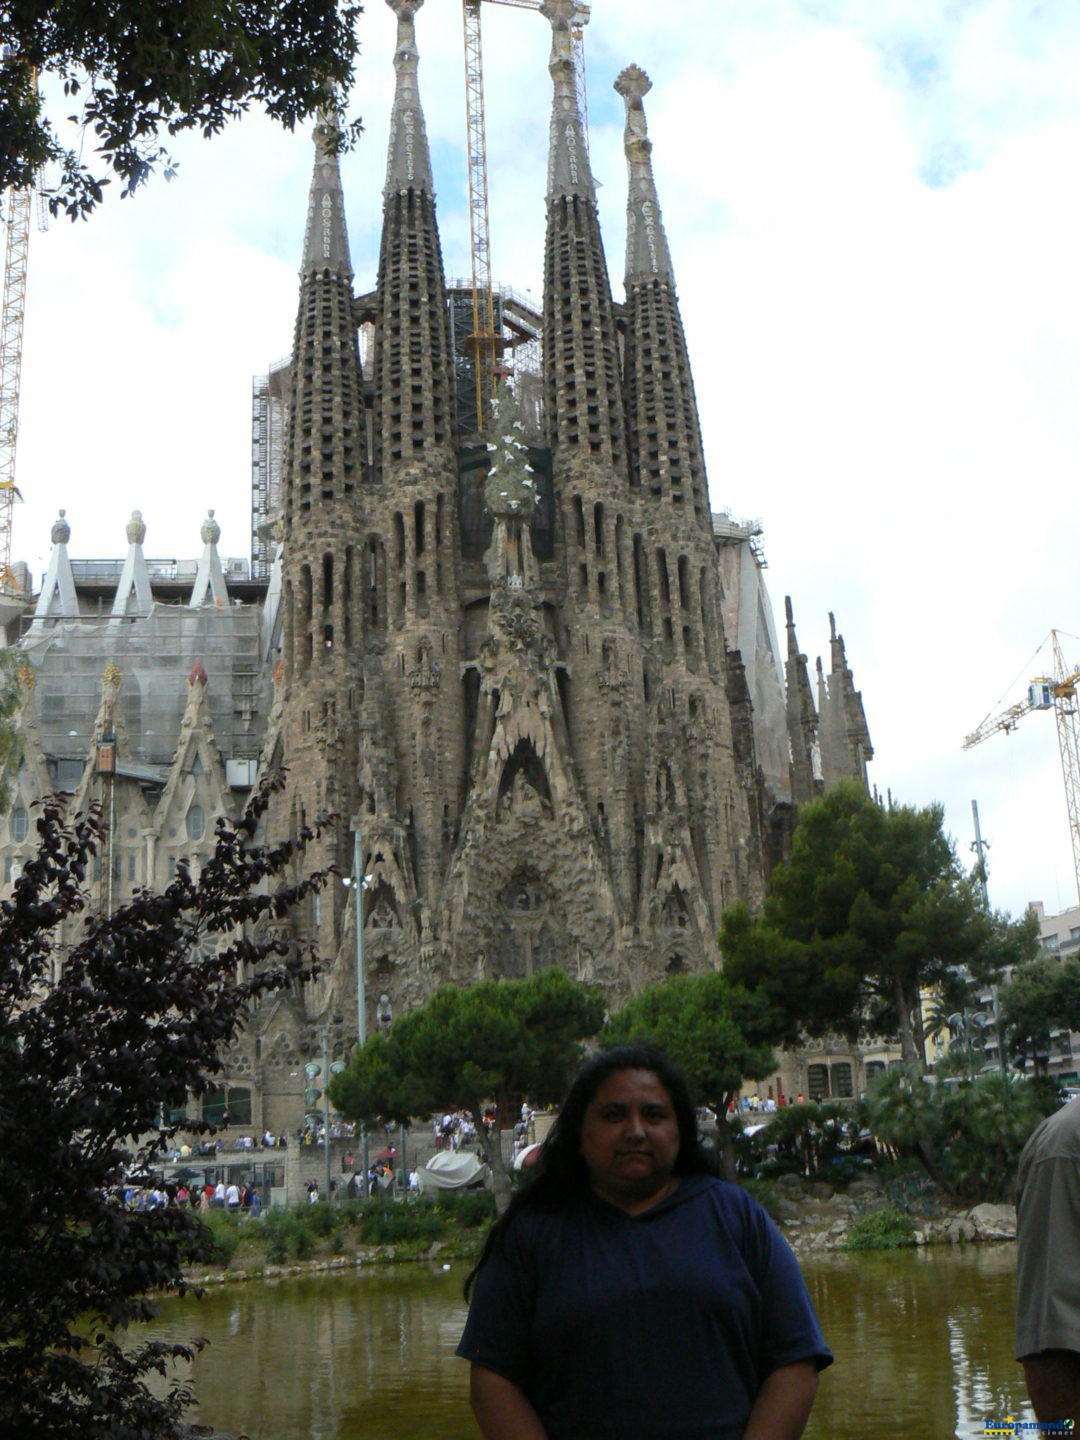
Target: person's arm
783, 1403
501, 1410
1053, 1382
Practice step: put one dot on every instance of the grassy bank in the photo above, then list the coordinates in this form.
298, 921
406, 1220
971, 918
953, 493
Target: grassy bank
450, 1225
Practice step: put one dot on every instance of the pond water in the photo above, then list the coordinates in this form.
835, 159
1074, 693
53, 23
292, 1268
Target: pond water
923, 1340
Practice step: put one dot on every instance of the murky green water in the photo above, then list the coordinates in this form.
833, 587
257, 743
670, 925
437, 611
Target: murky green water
923, 1341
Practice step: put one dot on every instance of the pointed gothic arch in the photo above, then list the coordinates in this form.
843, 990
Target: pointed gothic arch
524, 786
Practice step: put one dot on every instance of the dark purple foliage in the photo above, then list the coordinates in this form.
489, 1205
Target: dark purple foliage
108, 1023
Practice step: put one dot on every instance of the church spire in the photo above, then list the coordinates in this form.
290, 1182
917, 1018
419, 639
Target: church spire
583, 397
408, 164
647, 253
802, 718
326, 239
665, 450
845, 735
568, 156
412, 343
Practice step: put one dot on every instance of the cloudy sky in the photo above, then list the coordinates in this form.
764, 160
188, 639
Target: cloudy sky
874, 219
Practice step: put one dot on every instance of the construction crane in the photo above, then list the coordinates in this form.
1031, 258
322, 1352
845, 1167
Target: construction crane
16, 220
485, 341
1056, 692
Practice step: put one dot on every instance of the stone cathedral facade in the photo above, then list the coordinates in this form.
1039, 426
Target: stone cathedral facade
530, 670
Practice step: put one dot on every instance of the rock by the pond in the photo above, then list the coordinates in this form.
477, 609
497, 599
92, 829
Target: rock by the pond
789, 1183
959, 1230
994, 1222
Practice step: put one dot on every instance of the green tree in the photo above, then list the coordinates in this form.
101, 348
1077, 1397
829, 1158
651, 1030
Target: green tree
719, 1033
140, 70
470, 1045
903, 1113
108, 1023
967, 1134
870, 909
1041, 996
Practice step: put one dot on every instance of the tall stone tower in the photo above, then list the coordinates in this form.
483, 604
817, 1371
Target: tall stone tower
323, 473
535, 722
535, 678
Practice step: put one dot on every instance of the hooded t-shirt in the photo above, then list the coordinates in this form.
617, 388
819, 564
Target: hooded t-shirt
637, 1327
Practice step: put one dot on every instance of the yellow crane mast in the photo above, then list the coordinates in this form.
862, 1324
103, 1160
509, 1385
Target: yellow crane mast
1057, 692
485, 340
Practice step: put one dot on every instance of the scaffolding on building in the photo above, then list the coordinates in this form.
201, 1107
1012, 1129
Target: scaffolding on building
269, 416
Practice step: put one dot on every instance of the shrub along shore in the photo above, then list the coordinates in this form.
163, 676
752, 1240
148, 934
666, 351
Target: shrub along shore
894, 1206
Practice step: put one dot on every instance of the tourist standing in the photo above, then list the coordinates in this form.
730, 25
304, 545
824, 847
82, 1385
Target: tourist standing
1048, 1265
629, 1294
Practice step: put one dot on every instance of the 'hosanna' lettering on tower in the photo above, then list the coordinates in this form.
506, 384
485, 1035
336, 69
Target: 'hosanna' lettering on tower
327, 225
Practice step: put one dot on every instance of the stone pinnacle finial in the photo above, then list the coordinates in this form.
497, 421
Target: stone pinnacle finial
408, 163
61, 530
561, 13
197, 675
647, 253
136, 528
568, 156
633, 84
326, 240
211, 530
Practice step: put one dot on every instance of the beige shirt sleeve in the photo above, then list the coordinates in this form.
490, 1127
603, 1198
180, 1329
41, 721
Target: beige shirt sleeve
1048, 1237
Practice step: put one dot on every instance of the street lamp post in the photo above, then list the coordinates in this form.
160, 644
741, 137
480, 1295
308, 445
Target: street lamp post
358, 899
361, 983
980, 847
326, 1104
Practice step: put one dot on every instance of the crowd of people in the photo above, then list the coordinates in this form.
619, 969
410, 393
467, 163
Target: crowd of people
242, 1199
456, 1128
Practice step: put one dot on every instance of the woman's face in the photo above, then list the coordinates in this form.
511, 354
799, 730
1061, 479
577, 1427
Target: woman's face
630, 1139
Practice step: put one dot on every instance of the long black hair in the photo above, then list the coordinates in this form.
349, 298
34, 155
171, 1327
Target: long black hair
560, 1176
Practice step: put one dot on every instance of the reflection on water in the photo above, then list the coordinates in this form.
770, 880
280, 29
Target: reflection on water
923, 1340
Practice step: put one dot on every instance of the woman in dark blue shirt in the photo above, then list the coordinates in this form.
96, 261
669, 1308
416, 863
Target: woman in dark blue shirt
629, 1293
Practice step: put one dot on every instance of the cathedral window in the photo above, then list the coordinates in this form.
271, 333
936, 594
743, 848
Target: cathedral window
399, 540
665, 580
817, 1082
641, 591
684, 582
196, 822
19, 824
579, 521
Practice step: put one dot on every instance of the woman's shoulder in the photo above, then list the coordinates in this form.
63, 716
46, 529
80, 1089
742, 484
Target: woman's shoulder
727, 1202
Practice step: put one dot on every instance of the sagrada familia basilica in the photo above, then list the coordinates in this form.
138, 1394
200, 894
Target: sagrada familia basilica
533, 673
